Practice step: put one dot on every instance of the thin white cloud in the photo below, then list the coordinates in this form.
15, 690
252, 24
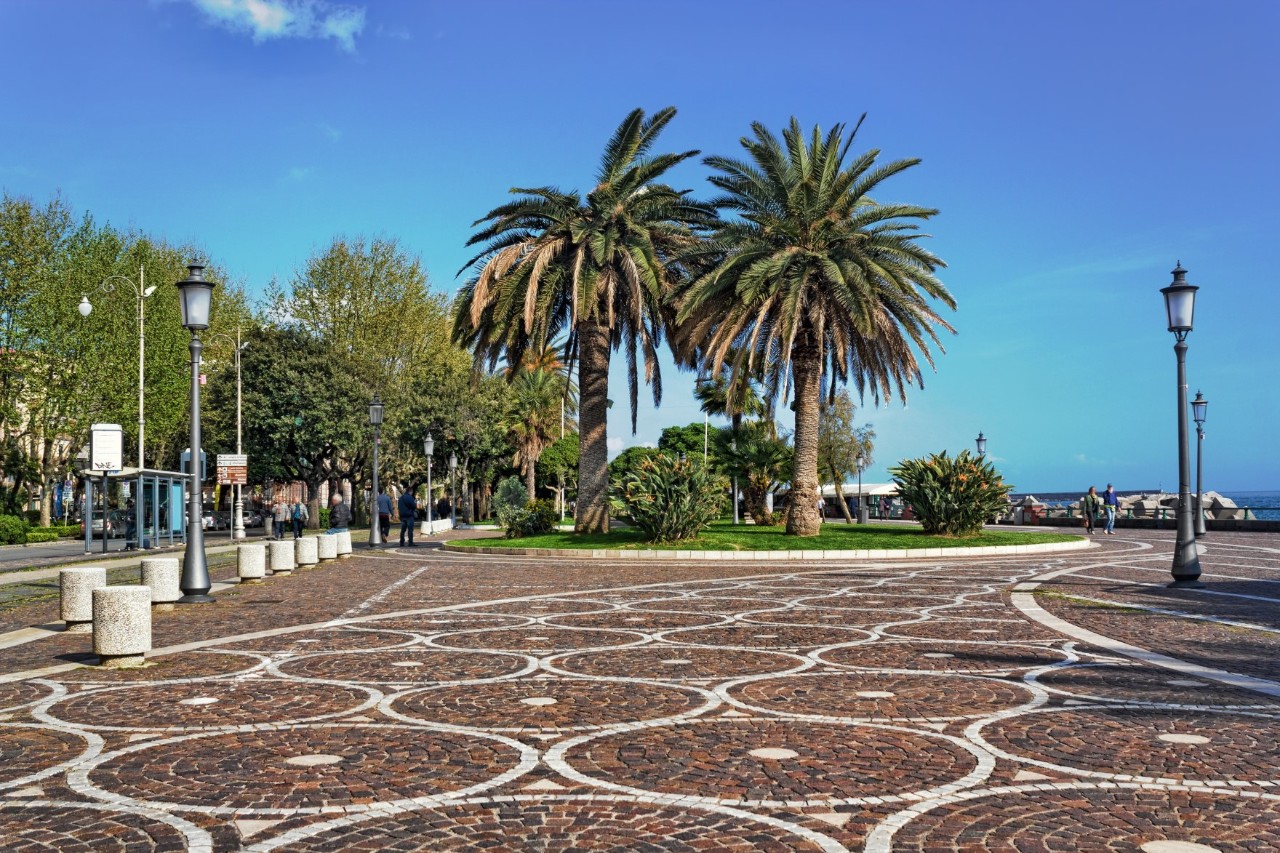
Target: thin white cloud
275, 19
299, 173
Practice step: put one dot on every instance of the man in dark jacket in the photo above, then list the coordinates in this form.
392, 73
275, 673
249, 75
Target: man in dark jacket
408, 508
339, 514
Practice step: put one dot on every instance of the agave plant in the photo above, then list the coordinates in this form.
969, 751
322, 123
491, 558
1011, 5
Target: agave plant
951, 497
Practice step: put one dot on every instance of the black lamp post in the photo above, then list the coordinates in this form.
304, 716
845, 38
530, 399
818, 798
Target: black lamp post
375, 420
1199, 408
195, 296
1180, 303
453, 496
428, 447
981, 441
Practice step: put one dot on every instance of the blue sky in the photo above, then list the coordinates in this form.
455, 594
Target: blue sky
1075, 150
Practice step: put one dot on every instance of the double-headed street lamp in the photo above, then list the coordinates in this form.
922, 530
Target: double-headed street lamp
375, 420
428, 447
195, 296
1179, 304
1199, 408
141, 292
981, 442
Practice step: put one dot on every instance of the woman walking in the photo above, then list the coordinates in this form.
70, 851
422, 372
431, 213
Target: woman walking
1089, 506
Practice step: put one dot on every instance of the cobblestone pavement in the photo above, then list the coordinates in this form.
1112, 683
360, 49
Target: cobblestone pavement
432, 701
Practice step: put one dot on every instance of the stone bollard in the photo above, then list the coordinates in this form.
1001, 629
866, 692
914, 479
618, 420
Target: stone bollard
251, 562
308, 551
77, 596
344, 544
122, 625
282, 557
161, 575
327, 547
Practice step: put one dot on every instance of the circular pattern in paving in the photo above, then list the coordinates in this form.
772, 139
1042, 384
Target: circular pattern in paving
19, 694
636, 620
766, 636
548, 704
709, 604
1111, 820
676, 663
70, 829
1147, 742
864, 695
169, 667
186, 705
414, 664
973, 630
1138, 684
25, 750
542, 607
438, 623
326, 640
537, 639
945, 657
559, 827
875, 600
831, 617
285, 770
723, 758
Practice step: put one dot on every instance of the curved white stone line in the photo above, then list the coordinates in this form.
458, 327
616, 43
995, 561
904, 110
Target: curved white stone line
197, 840
93, 745
880, 839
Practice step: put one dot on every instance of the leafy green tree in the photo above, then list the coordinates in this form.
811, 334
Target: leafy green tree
561, 460
844, 450
629, 459
814, 276
596, 268
688, 441
534, 419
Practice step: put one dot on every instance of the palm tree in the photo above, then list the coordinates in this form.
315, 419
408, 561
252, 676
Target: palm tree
597, 269
534, 422
813, 277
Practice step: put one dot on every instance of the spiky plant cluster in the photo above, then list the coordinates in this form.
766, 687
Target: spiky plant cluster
952, 497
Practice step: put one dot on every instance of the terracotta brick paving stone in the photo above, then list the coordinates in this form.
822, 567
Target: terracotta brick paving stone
199, 665
676, 663
544, 606
71, 829
816, 762
20, 694
364, 637
1147, 742
1135, 683
636, 620
190, 705
547, 704
766, 636
709, 604
439, 623
537, 638
943, 656
304, 767
961, 629
26, 750
1117, 821
830, 617
558, 827
882, 696
875, 600
414, 664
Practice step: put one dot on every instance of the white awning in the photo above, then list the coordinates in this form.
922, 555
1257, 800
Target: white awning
874, 489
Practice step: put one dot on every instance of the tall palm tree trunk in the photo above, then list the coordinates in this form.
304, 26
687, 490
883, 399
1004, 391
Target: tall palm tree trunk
592, 514
802, 510
530, 481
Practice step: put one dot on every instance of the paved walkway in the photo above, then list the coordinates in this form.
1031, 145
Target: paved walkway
421, 700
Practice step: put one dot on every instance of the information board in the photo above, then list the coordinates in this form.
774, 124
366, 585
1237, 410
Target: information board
106, 448
233, 469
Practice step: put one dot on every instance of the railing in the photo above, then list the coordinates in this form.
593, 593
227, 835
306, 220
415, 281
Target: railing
1165, 513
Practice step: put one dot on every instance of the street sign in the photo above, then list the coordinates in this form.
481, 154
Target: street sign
106, 448
233, 469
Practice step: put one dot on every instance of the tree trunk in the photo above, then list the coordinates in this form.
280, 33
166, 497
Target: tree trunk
802, 510
592, 515
844, 504
530, 481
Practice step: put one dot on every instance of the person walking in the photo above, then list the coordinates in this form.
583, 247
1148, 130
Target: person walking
339, 515
1111, 503
443, 507
1089, 505
384, 512
279, 517
299, 517
408, 508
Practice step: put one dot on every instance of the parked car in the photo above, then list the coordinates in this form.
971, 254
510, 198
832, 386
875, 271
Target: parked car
116, 523
253, 518
215, 520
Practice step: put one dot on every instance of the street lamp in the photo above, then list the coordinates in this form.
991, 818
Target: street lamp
195, 296
1199, 408
375, 420
237, 521
453, 495
1179, 304
428, 447
981, 441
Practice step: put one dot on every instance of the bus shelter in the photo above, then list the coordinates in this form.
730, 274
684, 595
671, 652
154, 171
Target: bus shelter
153, 516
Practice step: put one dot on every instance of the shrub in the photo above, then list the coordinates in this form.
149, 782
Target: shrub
511, 493
668, 499
13, 530
529, 520
44, 534
324, 518
951, 497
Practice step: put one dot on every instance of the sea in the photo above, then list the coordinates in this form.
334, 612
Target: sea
1263, 505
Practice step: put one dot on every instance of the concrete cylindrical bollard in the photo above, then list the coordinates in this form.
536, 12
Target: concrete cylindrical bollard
251, 562
161, 574
282, 557
308, 551
327, 547
121, 625
77, 596
344, 543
